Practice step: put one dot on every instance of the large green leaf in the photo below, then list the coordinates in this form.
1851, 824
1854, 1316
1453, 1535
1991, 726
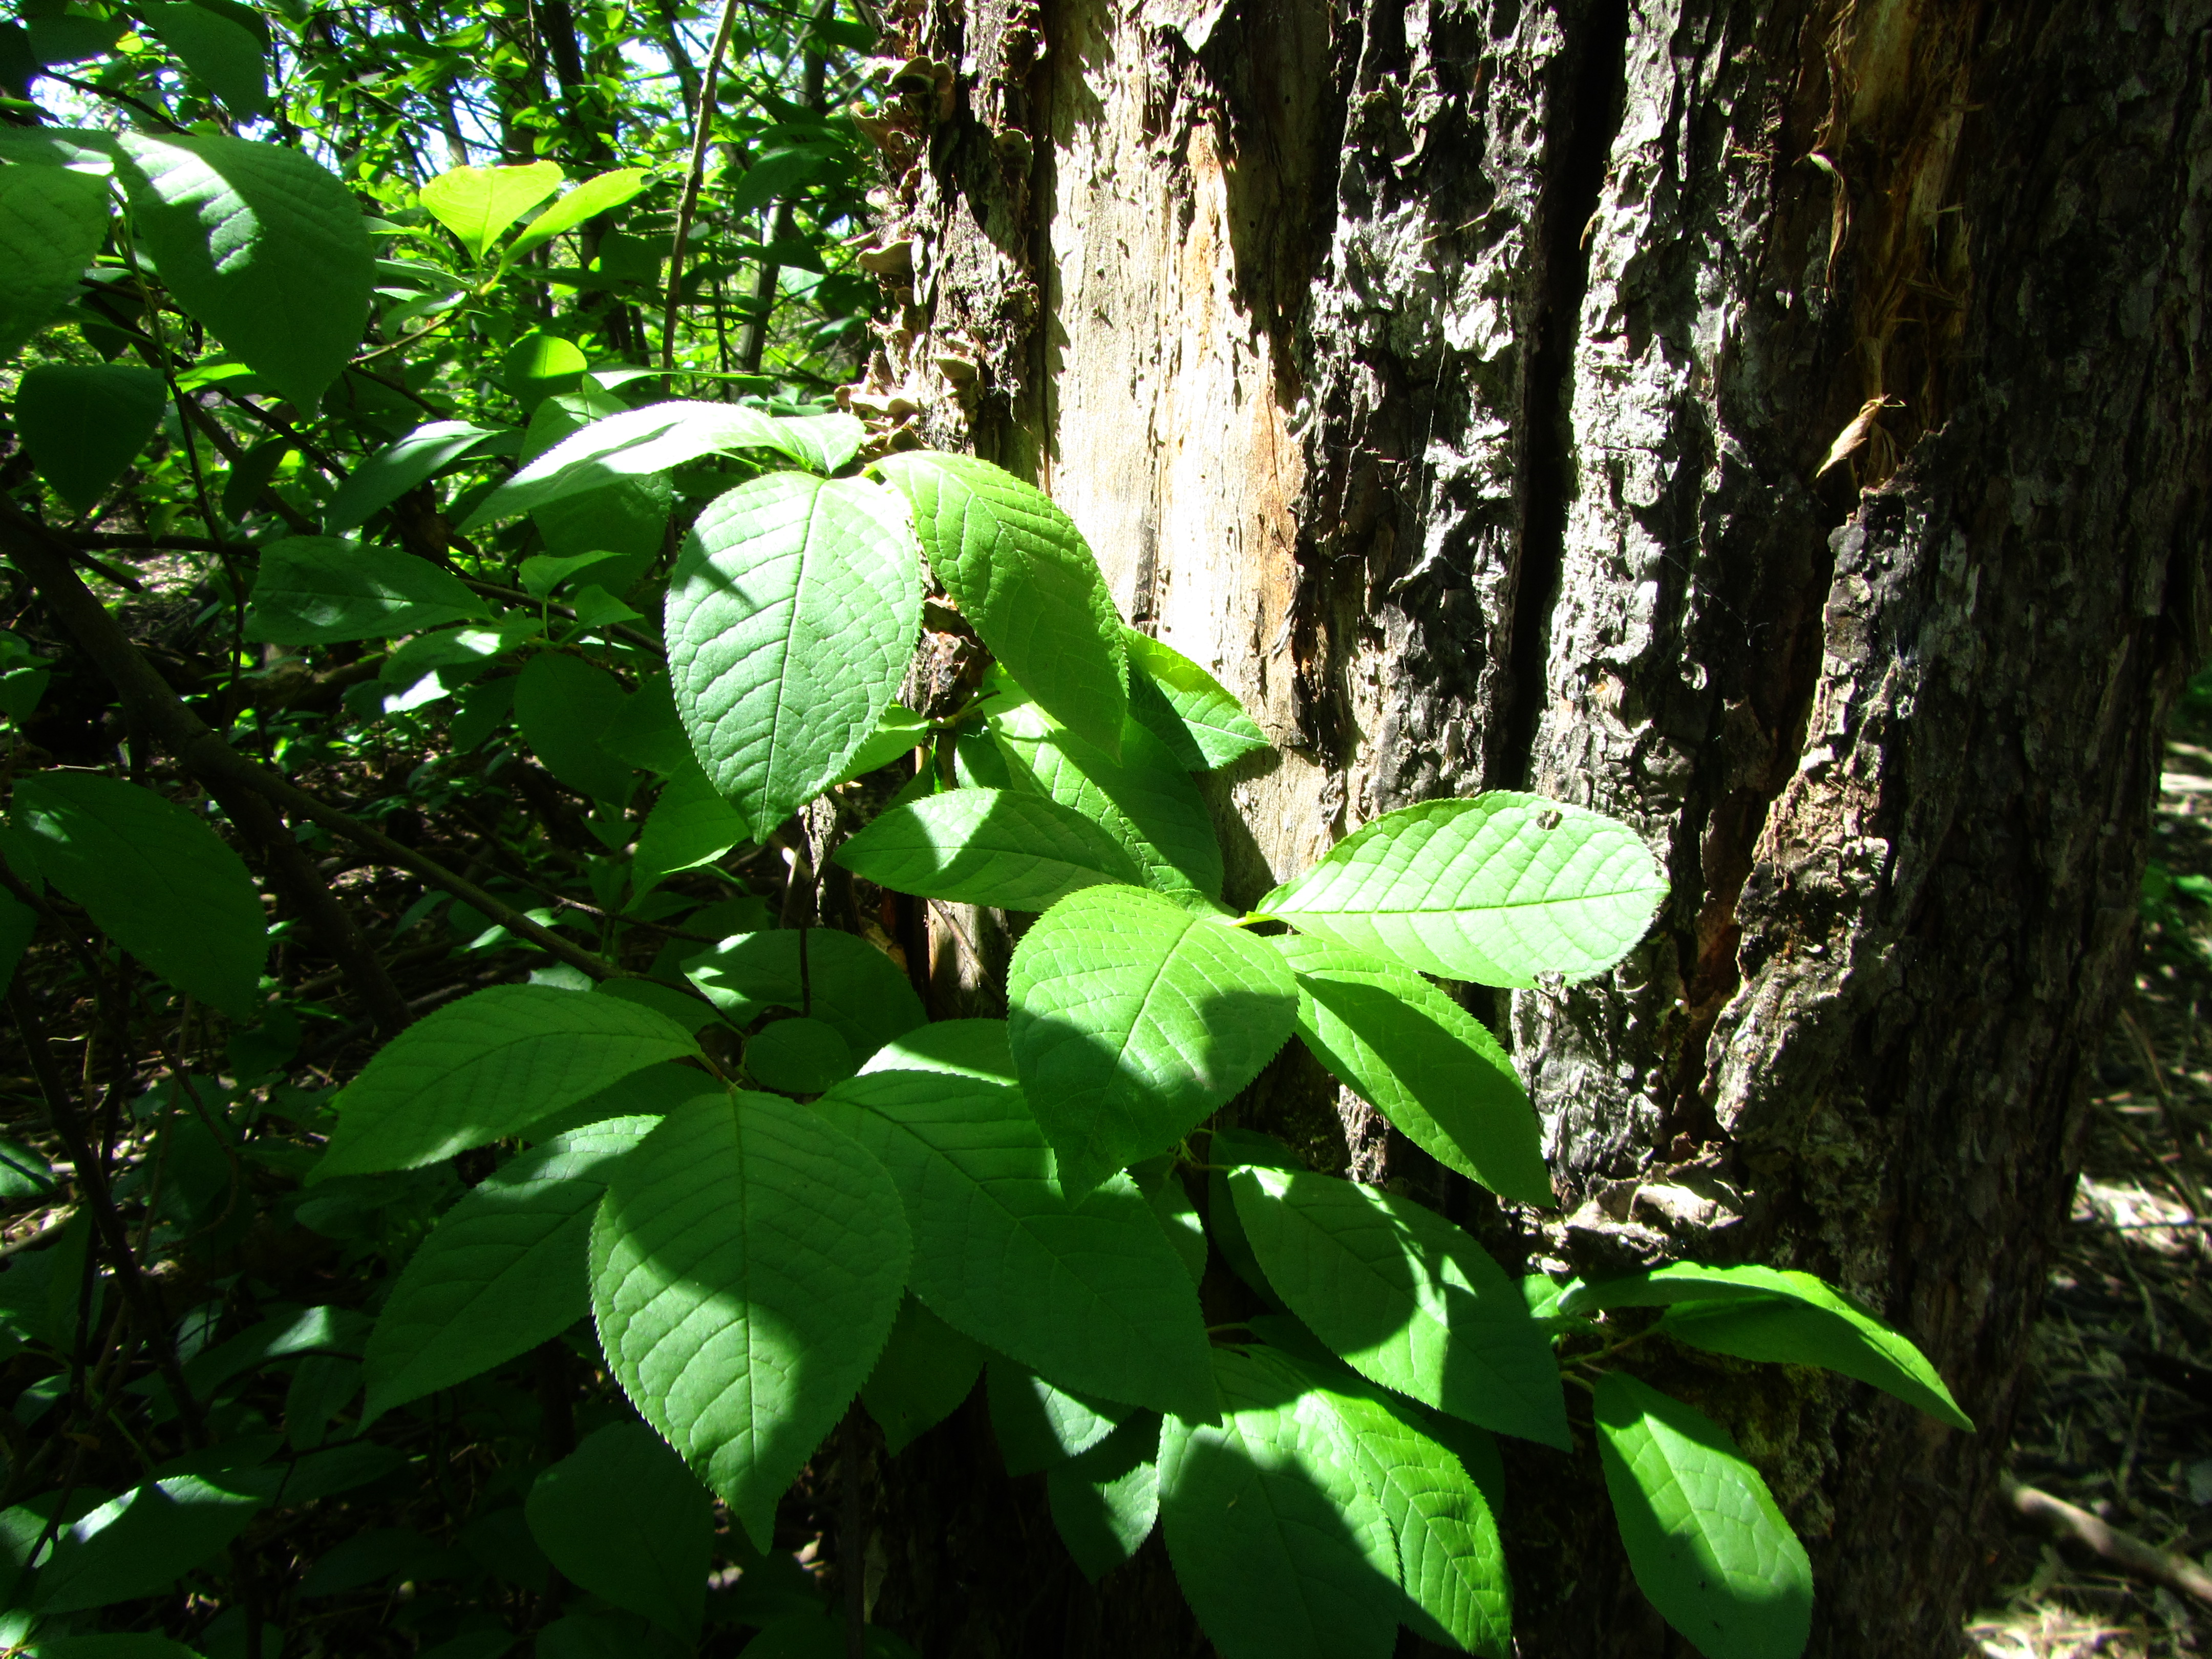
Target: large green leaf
926, 1371
1086, 1291
564, 705
1423, 1062
600, 194
1187, 708
1105, 1501
156, 879
400, 466
1451, 1560
637, 441
1132, 1020
1145, 798
138, 1544
316, 589
621, 1517
791, 618
691, 824
997, 846
477, 204
487, 1066
1020, 571
223, 54
84, 423
1780, 1315
259, 242
971, 1047
1038, 1424
625, 514
503, 1271
746, 1266
844, 981
52, 221
1704, 1539
1405, 1297
1497, 888
1281, 1549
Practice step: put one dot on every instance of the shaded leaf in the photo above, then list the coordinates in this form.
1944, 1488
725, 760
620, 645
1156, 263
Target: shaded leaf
746, 1266
84, 423
487, 1066
1131, 1019
156, 879
1704, 1540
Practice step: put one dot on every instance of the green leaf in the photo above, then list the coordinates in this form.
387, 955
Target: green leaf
821, 443
1406, 1298
477, 204
1279, 1548
1704, 1539
84, 423
1020, 571
1451, 1560
1782, 1316
314, 589
487, 1066
23, 1173
1086, 1291
792, 616
261, 244
773, 177
1187, 708
70, 38
621, 1517
927, 1370
844, 981
605, 1635
601, 194
140, 1543
52, 221
156, 879
1038, 1424
109, 1647
219, 52
1424, 1062
400, 466
563, 704
538, 365
623, 514
1497, 888
746, 1266
986, 847
1132, 1020
967, 1048
691, 824
648, 734
898, 732
504, 1269
1105, 1502
655, 1092
655, 439
798, 1057
1143, 799
1158, 1179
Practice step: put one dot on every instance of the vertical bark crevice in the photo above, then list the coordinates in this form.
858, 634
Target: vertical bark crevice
1581, 118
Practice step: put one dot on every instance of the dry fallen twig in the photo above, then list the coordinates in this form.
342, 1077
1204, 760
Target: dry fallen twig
2123, 1549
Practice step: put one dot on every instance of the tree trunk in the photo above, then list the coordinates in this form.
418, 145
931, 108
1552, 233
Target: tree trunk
1459, 384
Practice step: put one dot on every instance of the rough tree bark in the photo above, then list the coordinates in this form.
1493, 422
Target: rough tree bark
1456, 380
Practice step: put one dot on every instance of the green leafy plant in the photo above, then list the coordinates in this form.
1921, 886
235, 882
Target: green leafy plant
743, 1172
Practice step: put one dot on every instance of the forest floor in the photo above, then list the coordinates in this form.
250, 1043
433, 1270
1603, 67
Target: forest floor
2119, 1422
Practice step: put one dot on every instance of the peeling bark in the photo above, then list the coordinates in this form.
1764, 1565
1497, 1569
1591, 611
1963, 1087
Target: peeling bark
1455, 381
